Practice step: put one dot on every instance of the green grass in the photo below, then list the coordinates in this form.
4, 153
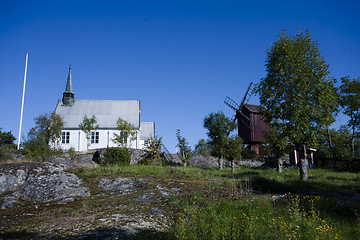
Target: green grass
292, 217
211, 206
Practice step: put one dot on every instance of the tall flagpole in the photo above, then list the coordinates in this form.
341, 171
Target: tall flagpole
22, 102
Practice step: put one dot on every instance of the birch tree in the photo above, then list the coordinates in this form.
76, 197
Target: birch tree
297, 93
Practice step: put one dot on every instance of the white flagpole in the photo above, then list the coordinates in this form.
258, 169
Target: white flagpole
22, 102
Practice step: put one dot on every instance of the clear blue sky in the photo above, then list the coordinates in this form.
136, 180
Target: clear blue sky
180, 58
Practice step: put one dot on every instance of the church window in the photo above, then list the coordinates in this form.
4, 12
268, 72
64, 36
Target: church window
65, 137
121, 137
95, 137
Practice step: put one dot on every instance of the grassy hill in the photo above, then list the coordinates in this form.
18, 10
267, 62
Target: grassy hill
167, 202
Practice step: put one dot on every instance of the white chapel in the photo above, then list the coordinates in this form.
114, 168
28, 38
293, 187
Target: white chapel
106, 113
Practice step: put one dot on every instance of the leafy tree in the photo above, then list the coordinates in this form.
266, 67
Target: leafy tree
278, 144
48, 127
87, 126
127, 131
185, 149
154, 146
218, 128
155, 155
36, 147
6, 138
350, 102
340, 141
296, 92
232, 150
201, 148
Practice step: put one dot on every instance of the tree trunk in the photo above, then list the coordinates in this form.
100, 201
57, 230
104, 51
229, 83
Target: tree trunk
302, 166
232, 167
330, 143
280, 163
221, 162
353, 142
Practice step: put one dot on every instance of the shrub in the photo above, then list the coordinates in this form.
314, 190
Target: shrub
36, 147
116, 155
248, 154
4, 155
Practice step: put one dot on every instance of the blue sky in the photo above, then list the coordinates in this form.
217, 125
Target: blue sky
180, 58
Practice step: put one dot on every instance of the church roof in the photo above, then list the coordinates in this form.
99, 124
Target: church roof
106, 112
147, 130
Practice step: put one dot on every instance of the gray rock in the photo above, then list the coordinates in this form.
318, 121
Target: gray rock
251, 163
38, 182
137, 155
60, 160
118, 185
77, 161
12, 176
204, 161
10, 200
49, 182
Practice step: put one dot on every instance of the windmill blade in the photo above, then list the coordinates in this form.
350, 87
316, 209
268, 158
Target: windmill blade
246, 97
233, 120
231, 103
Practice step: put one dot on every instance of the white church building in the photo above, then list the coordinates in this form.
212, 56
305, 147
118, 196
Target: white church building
106, 112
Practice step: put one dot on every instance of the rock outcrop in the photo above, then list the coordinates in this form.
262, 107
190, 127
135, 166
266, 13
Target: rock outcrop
38, 182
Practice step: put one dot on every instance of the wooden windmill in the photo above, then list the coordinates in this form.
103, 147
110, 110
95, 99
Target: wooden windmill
251, 121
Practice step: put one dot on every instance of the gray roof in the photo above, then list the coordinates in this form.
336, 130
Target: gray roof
106, 112
147, 130
255, 108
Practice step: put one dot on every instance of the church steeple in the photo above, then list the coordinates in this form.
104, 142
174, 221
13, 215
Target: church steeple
68, 95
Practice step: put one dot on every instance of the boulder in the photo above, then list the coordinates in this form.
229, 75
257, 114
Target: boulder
38, 182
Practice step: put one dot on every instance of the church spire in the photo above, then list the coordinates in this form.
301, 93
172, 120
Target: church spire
68, 95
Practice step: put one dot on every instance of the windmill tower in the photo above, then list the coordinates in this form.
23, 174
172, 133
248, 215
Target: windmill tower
251, 121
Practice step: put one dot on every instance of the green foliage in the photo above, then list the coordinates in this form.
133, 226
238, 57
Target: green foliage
340, 141
117, 156
4, 154
6, 138
248, 154
299, 98
350, 102
87, 126
289, 217
47, 130
35, 146
218, 128
127, 131
233, 148
201, 148
277, 142
155, 155
185, 149
47, 126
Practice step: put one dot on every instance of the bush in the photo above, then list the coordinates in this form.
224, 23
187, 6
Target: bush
159, 160
116, 155
248, 154
5, 155
36, 147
